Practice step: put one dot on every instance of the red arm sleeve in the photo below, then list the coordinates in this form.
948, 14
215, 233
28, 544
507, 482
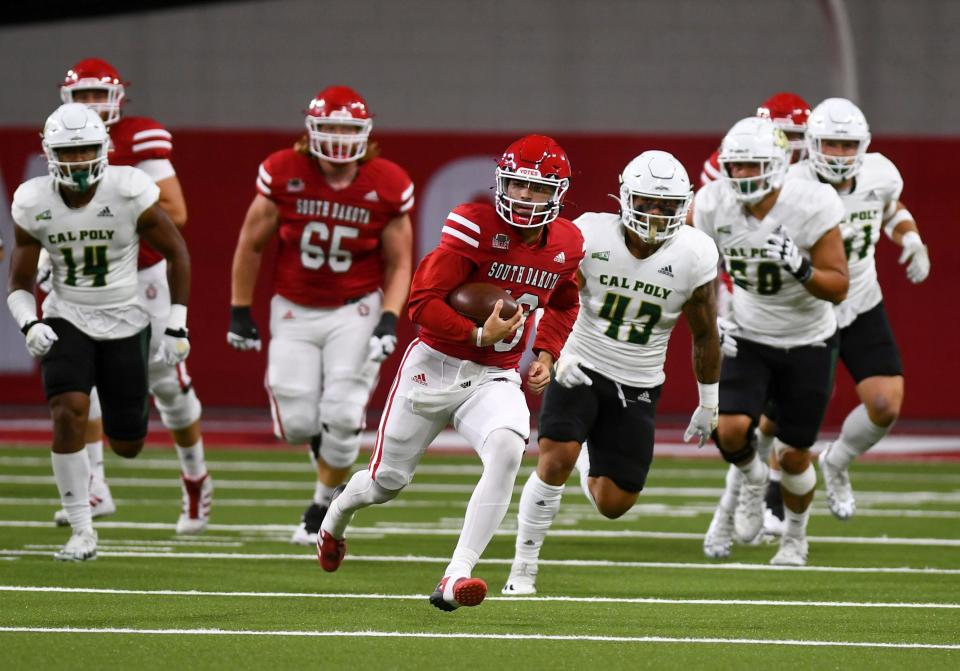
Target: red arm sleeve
558, 317
440, 272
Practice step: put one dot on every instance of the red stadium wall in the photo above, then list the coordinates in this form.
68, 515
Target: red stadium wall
217, 170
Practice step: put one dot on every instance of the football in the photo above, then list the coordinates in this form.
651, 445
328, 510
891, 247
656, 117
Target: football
475, 301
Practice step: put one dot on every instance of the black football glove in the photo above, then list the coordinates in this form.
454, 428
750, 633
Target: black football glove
384, 338
243, 334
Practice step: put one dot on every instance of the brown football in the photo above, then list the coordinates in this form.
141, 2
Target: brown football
475, 301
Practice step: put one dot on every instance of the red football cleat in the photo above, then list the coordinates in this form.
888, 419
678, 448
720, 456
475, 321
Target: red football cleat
465, 592
330, 551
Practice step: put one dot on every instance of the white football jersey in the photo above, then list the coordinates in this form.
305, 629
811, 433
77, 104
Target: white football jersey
874, 197
93, 249
628, 306
769, 305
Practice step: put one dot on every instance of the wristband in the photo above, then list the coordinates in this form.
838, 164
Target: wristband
804, 272
23, 307
479, 336
894, 221
177, 320
709, 394
911, 238
29, 325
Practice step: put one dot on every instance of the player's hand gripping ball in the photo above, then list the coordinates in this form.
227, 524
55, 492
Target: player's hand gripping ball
475, 301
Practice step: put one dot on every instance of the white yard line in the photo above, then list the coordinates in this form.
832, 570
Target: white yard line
597, 563
420, 529
418, 597
476, 636
910, 497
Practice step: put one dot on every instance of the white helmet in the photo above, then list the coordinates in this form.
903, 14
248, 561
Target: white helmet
836, 119
655, 174
75, 125
755, 140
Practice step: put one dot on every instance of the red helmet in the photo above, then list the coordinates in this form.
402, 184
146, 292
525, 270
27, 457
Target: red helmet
343, 108
790, 113
543, 167
95, 73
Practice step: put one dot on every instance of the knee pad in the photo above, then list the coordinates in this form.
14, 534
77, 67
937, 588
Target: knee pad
295, 418
339, 447
391, 479
94, 413
503, 449
800, 483
179, 408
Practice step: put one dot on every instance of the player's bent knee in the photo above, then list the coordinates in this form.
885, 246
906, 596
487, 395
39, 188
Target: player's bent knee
297, 420
503, 449
339, 446
128, 449
179, 408
557, 460
390, 480
883, 409
612, 502
801, 483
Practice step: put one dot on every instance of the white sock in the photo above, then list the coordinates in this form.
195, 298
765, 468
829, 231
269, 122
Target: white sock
501, 454
583, 466
796, 523
731, 489
72, 473
764, 445
95, 455
775, 474
755, 471
858, 435
322, 494
361, 491
192, 462
539, 504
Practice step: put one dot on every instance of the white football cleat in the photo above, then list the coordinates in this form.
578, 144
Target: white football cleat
101, 503
792, 552
718, 543
748, 516
839, 491
82, 546
197, 499
522, 580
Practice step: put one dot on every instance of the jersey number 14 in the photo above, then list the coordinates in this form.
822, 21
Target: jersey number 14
94, 264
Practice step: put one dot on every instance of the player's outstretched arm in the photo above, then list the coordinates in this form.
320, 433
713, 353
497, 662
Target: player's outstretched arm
172, 200
158, 230
700, 312
903, 230
397, 248
21, 301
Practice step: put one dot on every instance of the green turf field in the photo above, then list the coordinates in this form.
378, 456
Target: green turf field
881, 591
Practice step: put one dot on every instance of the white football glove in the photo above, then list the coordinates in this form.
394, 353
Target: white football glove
781, 247
45, 271
384, 338
40, 338
915, 252
174, 347
569, 373
728, 344
702, 424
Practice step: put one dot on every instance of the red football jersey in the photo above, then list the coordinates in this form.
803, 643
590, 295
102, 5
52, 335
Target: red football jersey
476, 245
134, 139
330, 240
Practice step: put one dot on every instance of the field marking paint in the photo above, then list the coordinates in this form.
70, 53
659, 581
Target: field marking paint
418, 529
475, 636
418, 597
597, 563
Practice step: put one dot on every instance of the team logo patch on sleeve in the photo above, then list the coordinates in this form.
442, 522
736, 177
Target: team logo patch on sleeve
295, 185
372, 197
601, 256
43, 216
501, 241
